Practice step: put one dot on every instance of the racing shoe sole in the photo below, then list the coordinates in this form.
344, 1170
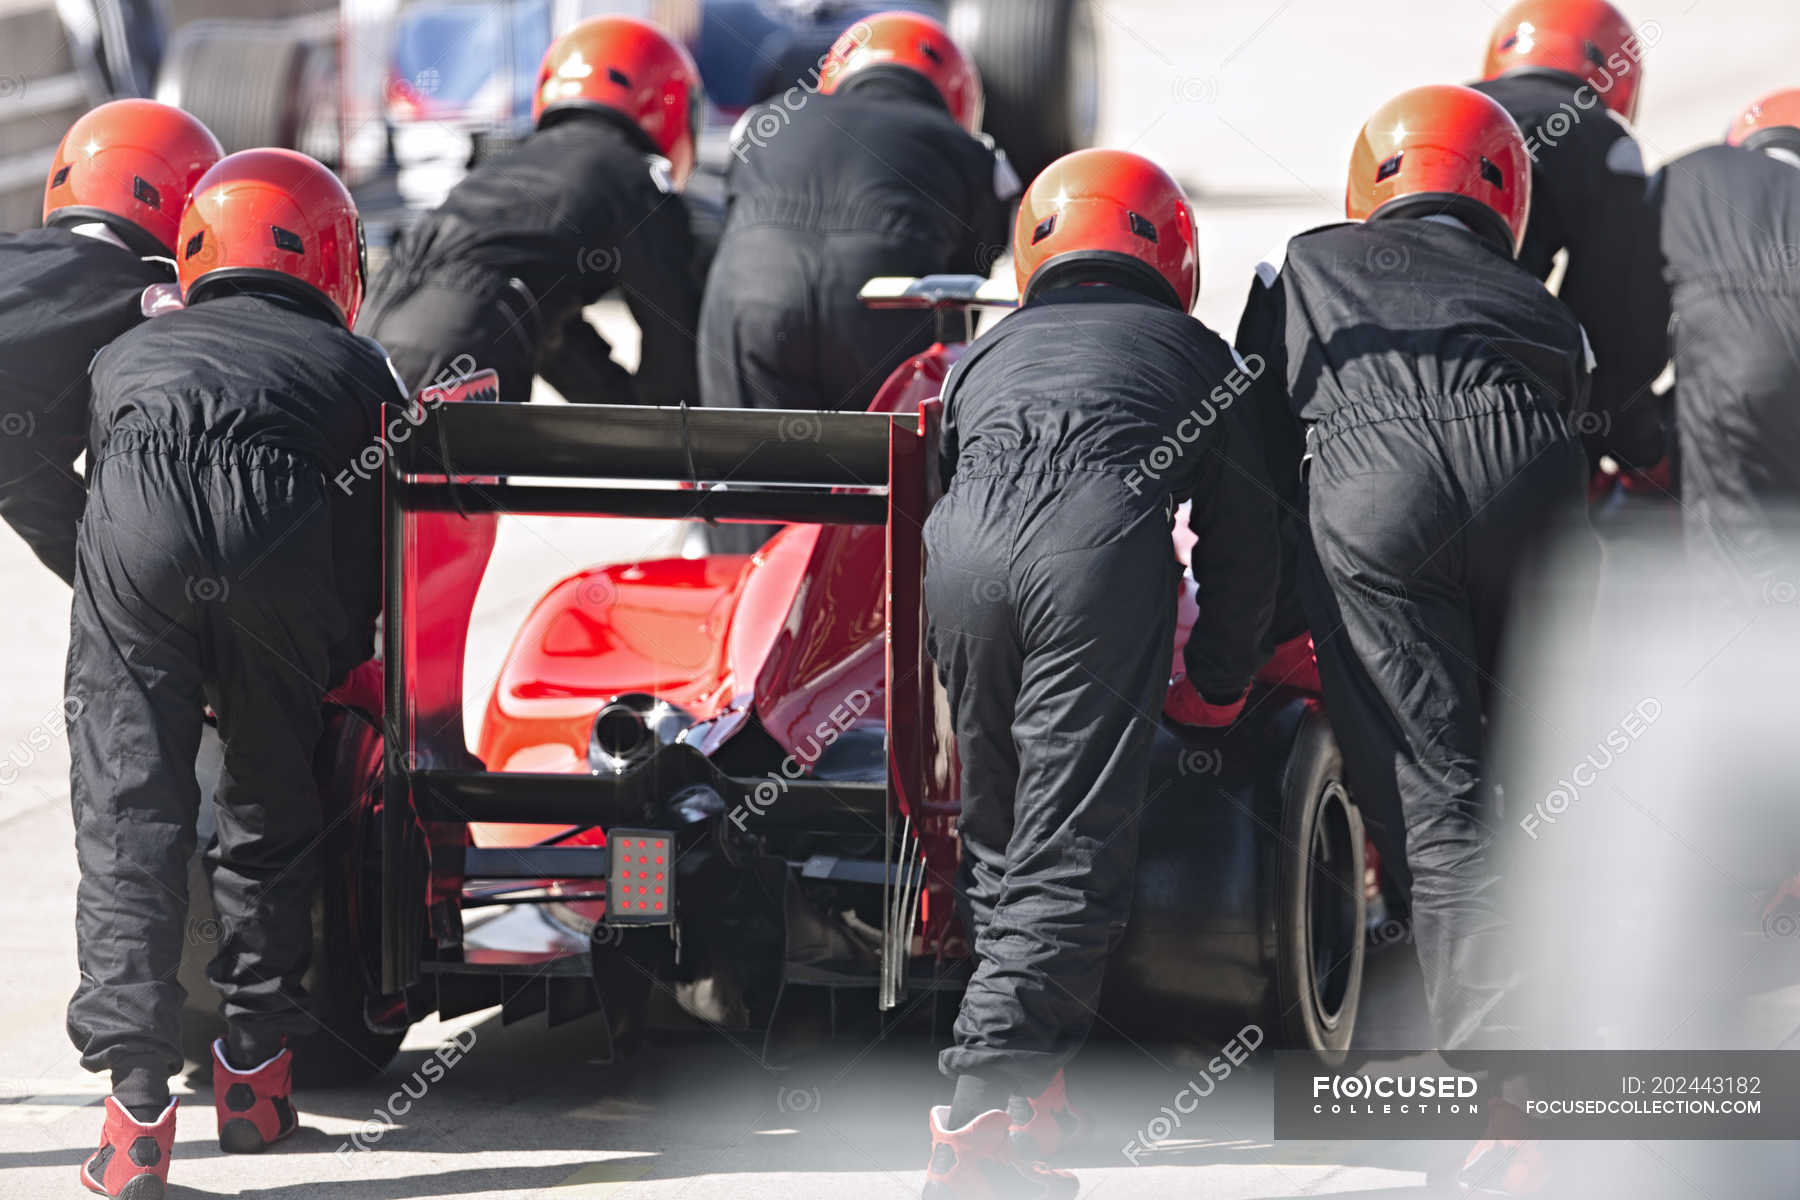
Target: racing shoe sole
144, 1187
240, 1136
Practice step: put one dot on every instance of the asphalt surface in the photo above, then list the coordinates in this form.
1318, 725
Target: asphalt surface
1254, 104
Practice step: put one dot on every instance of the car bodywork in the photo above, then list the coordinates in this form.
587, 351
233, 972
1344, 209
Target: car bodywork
777, 719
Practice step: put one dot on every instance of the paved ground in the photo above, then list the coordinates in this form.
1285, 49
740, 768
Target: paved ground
1254, 102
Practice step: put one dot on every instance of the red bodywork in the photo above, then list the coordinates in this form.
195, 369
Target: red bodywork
787, 634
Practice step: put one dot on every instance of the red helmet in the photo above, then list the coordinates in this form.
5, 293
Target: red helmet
913, 41
133, 161
1773, 120
1097, 211
276, 216
1443, 149
1587, 39
631, 67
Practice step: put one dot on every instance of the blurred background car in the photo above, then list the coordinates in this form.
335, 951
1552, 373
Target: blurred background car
402, 96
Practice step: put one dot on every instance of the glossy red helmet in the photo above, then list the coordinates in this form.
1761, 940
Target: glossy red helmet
1589, 40
130, 161
913, 41
277, 217
1772, 121
1447, 150
630, 67
1098, 215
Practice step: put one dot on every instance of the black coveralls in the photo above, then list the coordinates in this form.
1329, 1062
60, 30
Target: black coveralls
62, 297
874, 180
503, 268
218, 564
1433, 377
1730, 231
1051, 586
1587, 197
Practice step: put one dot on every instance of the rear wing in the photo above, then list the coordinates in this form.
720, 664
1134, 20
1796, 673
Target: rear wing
952, 297
452, 468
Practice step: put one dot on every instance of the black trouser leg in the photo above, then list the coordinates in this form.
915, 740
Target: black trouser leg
134, 691
198, 579
269, 663
1418, 527
1077, 646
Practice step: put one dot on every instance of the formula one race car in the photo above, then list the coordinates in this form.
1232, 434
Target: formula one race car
708, 787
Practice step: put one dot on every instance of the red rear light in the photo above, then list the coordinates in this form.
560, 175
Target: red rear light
637, 893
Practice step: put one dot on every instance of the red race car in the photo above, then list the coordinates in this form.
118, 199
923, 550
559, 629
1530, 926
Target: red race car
703, 784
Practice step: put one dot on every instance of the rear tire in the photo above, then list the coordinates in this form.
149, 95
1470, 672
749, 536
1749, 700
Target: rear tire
1320, 899
1039, 63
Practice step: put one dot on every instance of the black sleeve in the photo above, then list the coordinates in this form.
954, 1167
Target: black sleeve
1615, 287
1236, 561
356, 534
44, 506
1262, 344
662, 288
949, 443
576, 361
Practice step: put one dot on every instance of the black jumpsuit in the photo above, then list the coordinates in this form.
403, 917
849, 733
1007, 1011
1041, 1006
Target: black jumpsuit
1433, 377
503, 268
219, 564
1730, 231
1587, 198
1071, 431
874, 180
63, 296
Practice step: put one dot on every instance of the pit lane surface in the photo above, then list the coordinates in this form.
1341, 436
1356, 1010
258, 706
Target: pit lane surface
1253, 103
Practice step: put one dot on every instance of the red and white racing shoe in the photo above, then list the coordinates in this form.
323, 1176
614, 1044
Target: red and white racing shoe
132, 1162
1506, 1162
979, 1162
1044, 1124
253, 1106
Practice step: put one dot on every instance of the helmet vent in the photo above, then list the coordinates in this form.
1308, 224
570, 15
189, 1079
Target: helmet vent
619, 77
1593, 54
288, 240
1492, 174
61, 177
930, 51
144, 193
1142, 227
193, 244
1389, 168
1044, 229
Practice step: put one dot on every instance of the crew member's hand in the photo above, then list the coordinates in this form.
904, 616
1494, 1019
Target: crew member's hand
1294, 663
1658, 480
1188, 707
